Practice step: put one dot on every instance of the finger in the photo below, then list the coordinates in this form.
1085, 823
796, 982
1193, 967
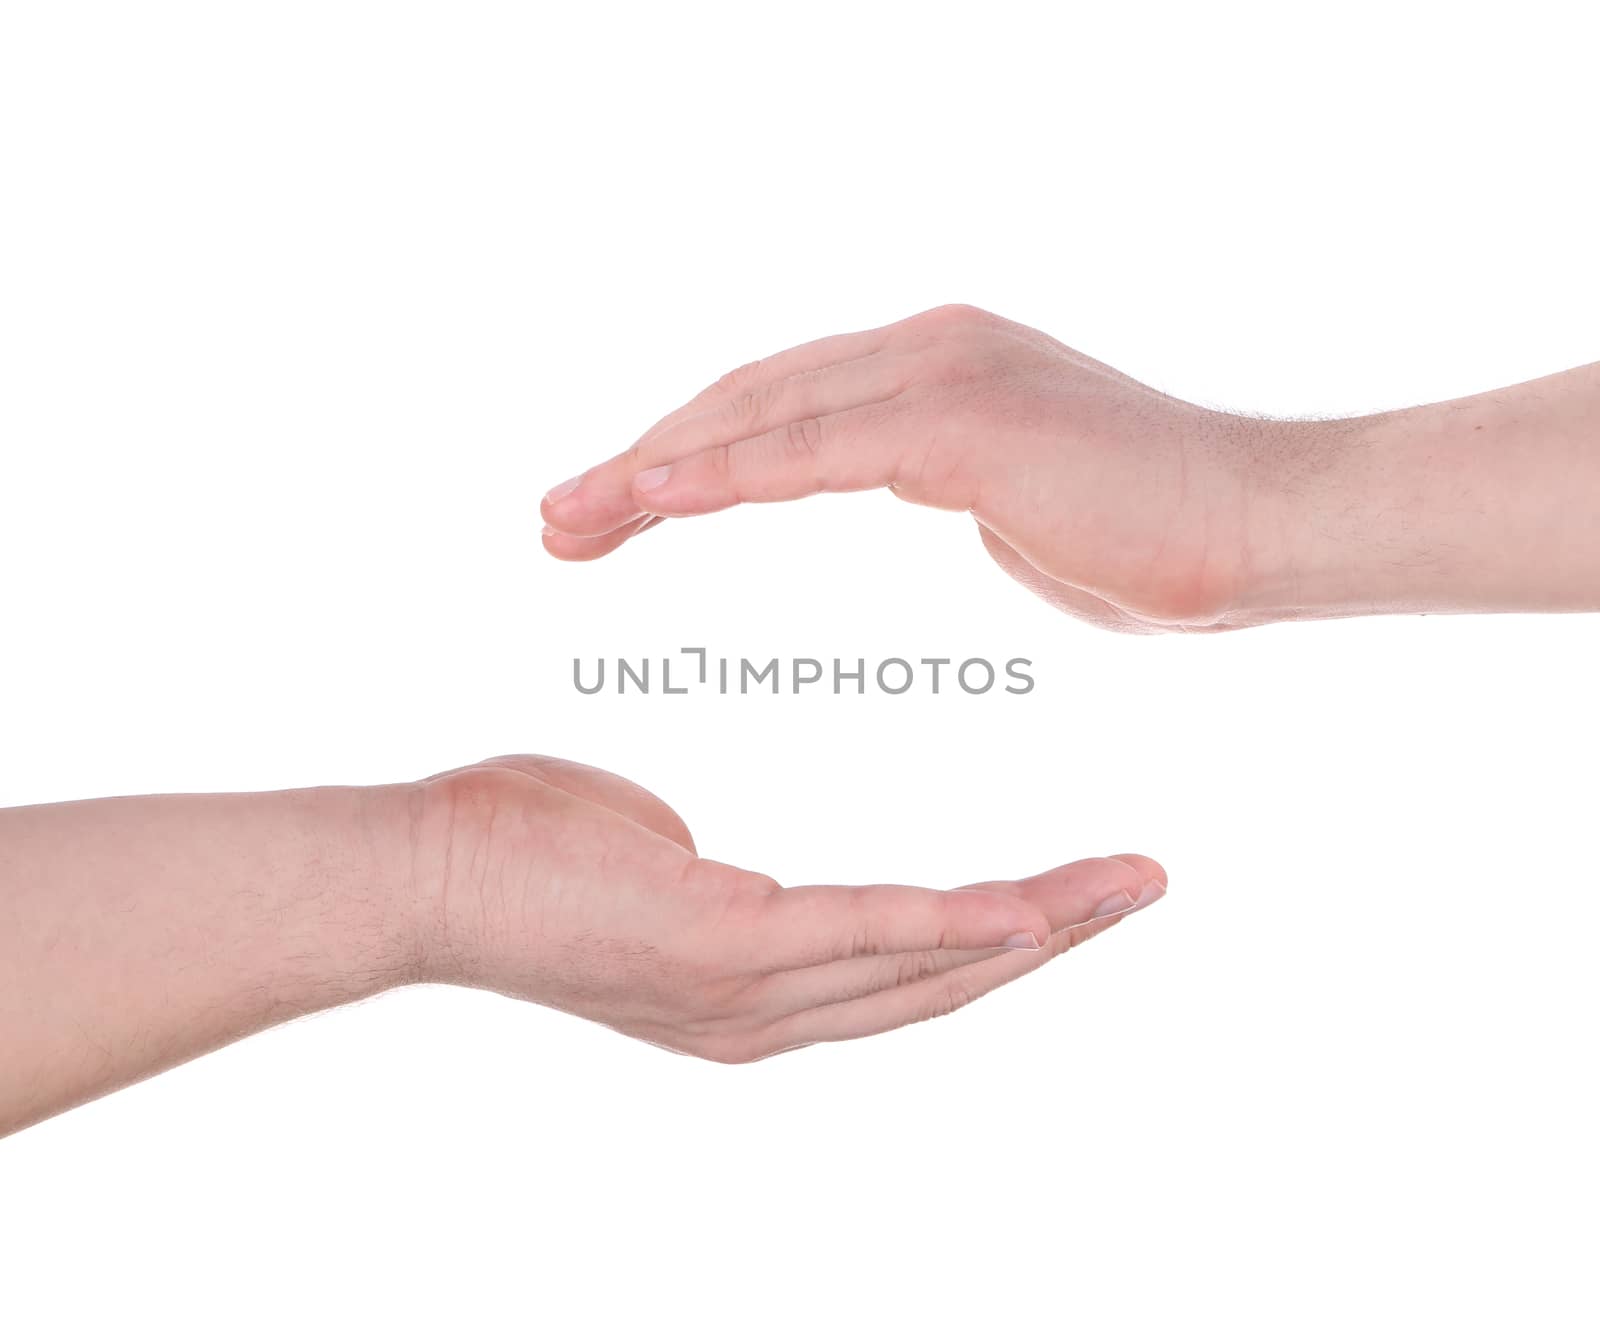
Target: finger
790, 991
607, 498
806, 358
823, 391
587, 504
578, 548
930, 997
1086, 891
812, 925
1149, 870
895, 1007
1148, 884
1082, 894
838, 453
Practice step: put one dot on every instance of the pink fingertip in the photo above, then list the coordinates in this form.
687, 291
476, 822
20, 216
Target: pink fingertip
563, 489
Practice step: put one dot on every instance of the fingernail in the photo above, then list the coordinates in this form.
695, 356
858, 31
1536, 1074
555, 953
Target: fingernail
654, 478
1152, 892
548, 531
1120, 902
1022, 941
563, 489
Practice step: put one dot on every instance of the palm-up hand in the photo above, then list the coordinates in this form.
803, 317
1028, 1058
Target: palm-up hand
1111, 500
568, 886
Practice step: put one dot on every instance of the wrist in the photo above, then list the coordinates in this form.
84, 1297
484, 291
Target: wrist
443, 827
357, 849
1349, 518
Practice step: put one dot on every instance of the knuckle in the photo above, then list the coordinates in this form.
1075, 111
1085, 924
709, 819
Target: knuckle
956, 315
735, 378
750, 405
949, 999
916, 967
803, 437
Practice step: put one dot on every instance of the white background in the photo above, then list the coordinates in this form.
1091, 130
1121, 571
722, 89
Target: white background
302, 307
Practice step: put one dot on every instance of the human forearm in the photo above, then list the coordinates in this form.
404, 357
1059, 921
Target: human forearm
1486, 503
136, 932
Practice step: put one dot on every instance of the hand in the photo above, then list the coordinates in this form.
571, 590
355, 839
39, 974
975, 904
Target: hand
1128, 507
1109, 499
571, 887
137, 932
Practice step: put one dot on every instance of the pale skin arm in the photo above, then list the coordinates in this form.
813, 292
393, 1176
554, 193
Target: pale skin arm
137, 932
1128, 507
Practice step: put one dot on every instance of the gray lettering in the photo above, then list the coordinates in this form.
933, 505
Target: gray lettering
1011, 670
626, 673
894, 661
745, 670
961, 675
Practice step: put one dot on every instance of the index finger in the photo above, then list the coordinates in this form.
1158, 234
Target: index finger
599, 500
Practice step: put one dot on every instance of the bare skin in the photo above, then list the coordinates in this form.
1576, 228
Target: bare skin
1128, 507
137, 932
